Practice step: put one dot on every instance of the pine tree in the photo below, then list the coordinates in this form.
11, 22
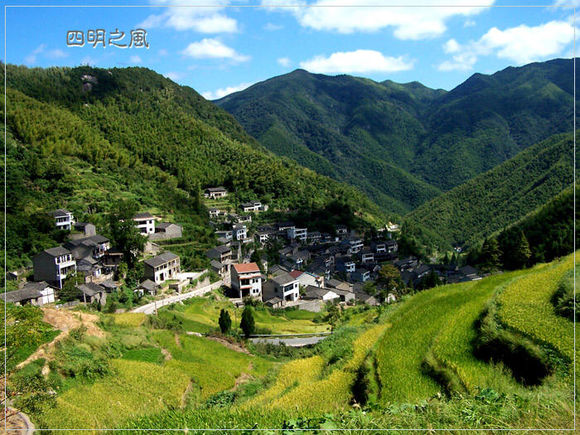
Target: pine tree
490, 255
248, 324
225, 321
522, 252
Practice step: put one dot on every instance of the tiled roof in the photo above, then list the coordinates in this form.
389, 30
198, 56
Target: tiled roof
161, 259
246, 267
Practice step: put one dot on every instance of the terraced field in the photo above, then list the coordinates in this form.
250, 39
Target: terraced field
302, 386
525, 306
429, 349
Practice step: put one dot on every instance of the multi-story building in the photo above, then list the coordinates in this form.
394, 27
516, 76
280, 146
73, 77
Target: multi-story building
162, 267
63, 219
286, 287
54, 265
145, 223
300, 234
246, 280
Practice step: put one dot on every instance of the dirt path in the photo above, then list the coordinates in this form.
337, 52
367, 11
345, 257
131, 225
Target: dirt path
64, 320
177, 340
185, 394
166, 354
233, 346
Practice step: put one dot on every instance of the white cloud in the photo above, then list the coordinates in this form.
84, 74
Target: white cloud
451, 46
173, 75
56, 54
284, 61
213, 49
469, 23
88, 60
522, 44
408, 22
220, 93
31, 58
359, 61
271, 27
207, 19
569, 3
163, 52
135, 59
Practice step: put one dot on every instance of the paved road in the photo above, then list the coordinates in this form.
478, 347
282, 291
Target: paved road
150, 308
293, 342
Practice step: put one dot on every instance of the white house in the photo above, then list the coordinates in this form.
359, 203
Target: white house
216, 192
355, 246
145, 222
253, 206
308, 279
34, 293
63, 219
298, 234
286, 287
239, 232
246, 279
162, 267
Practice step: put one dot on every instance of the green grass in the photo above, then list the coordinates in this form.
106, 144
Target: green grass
137, 388
212, 366
202, 314
148, 354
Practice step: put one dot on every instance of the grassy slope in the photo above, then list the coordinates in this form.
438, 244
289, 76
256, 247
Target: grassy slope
437, 323
201, 315
497, 198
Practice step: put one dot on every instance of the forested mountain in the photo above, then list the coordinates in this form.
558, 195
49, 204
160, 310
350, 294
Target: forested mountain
549, 230
490, 118
404, 143
79, 138
498, 198
349, 128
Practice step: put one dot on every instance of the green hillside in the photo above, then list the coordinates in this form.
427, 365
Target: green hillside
501, 196
349, 128
490, 118
133, 134
404, 143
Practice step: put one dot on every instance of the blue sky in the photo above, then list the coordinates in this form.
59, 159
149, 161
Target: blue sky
226, 46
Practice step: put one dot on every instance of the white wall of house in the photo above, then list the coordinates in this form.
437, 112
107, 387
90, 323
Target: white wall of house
146, 226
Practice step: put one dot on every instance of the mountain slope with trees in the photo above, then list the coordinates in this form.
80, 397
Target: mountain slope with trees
352, 129
500, 197
404, 143
82, 138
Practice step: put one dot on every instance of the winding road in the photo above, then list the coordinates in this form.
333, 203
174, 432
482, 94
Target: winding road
150, 308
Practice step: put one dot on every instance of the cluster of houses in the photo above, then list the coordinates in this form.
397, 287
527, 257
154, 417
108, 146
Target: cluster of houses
91, 256
413, 271
312, 266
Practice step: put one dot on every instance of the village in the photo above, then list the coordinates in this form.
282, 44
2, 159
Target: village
312, 267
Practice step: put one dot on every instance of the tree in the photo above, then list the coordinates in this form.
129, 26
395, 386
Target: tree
69, 291
522, 252
125, 236
248, 324
429, 281
490, 258
389, 278
225, 321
